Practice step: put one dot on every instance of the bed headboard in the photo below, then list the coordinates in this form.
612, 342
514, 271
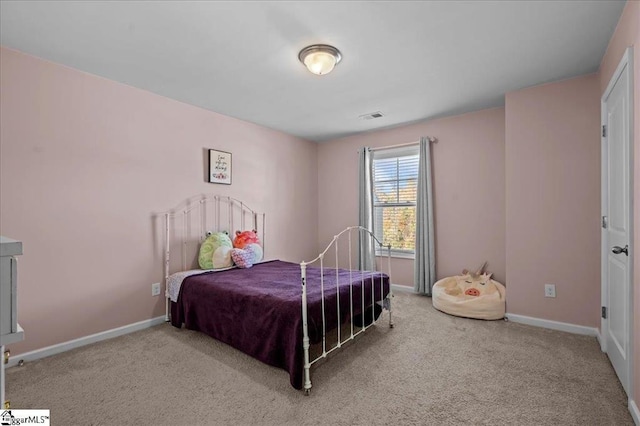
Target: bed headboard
187, 225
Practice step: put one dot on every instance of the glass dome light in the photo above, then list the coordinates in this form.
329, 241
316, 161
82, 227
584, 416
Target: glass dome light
320, 59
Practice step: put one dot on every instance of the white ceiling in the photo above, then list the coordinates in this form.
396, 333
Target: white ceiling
410, 60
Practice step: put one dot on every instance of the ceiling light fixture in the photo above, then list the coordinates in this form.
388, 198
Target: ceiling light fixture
320, 59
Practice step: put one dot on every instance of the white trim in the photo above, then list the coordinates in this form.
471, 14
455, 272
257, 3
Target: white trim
625, 62
402, 150
635, 413
83, 341
553, 325
402, 288
8, 339
396, 254
604, 194
632, 249
600, 340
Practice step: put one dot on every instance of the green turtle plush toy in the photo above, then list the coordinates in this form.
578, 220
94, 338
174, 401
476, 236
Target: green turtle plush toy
215, 251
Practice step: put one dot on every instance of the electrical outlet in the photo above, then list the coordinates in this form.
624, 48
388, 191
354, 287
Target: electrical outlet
155, 289
549, 290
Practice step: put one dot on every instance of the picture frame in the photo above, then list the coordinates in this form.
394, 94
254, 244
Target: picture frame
219, 167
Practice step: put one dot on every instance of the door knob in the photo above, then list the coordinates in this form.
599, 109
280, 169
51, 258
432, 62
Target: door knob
618, 250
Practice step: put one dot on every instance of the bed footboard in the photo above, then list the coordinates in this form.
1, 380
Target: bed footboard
359, 276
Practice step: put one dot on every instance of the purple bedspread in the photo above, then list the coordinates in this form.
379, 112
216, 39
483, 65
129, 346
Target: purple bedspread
259, 310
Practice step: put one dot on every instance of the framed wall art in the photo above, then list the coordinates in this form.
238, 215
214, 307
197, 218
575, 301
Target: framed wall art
219, 167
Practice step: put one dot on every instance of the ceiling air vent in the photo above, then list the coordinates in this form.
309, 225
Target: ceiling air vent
371, 115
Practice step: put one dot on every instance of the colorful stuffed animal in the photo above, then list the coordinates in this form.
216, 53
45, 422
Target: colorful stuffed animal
215, 252
245, 239
243, 258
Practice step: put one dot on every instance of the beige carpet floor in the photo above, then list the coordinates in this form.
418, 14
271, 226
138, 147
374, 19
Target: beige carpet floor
432, 369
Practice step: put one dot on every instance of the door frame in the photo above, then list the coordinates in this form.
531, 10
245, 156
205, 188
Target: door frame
626, 61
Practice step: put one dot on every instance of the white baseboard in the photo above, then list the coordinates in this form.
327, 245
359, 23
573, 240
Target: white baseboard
553, 325
600, 341
635, 413
83, 341
402, 288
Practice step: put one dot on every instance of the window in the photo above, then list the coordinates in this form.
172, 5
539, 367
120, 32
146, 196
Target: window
395, 181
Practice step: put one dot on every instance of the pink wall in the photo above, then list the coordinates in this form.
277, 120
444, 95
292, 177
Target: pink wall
86, 162
553, 200
468, 178
628, 34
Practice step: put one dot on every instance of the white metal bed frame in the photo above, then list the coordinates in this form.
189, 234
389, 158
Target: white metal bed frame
235, 209
362, 233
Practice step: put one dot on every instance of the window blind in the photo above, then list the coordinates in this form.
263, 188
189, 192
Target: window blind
395, 176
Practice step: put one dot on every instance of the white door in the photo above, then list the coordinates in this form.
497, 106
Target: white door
616, 226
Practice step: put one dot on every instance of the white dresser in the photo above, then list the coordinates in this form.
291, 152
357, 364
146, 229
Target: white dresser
10, 330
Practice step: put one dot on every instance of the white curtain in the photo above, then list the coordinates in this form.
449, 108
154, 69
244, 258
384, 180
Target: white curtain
425, 263
365, 209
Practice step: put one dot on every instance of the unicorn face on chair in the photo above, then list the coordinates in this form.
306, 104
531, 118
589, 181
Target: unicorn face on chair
471, 295
476, 285
470, 285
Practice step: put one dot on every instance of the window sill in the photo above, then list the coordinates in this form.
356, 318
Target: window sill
397, 255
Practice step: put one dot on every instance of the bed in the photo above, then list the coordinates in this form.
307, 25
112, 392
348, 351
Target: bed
276, 310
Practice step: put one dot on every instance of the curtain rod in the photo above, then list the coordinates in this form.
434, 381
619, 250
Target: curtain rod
431, 139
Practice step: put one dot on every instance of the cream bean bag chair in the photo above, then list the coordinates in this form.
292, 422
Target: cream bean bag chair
471, 295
